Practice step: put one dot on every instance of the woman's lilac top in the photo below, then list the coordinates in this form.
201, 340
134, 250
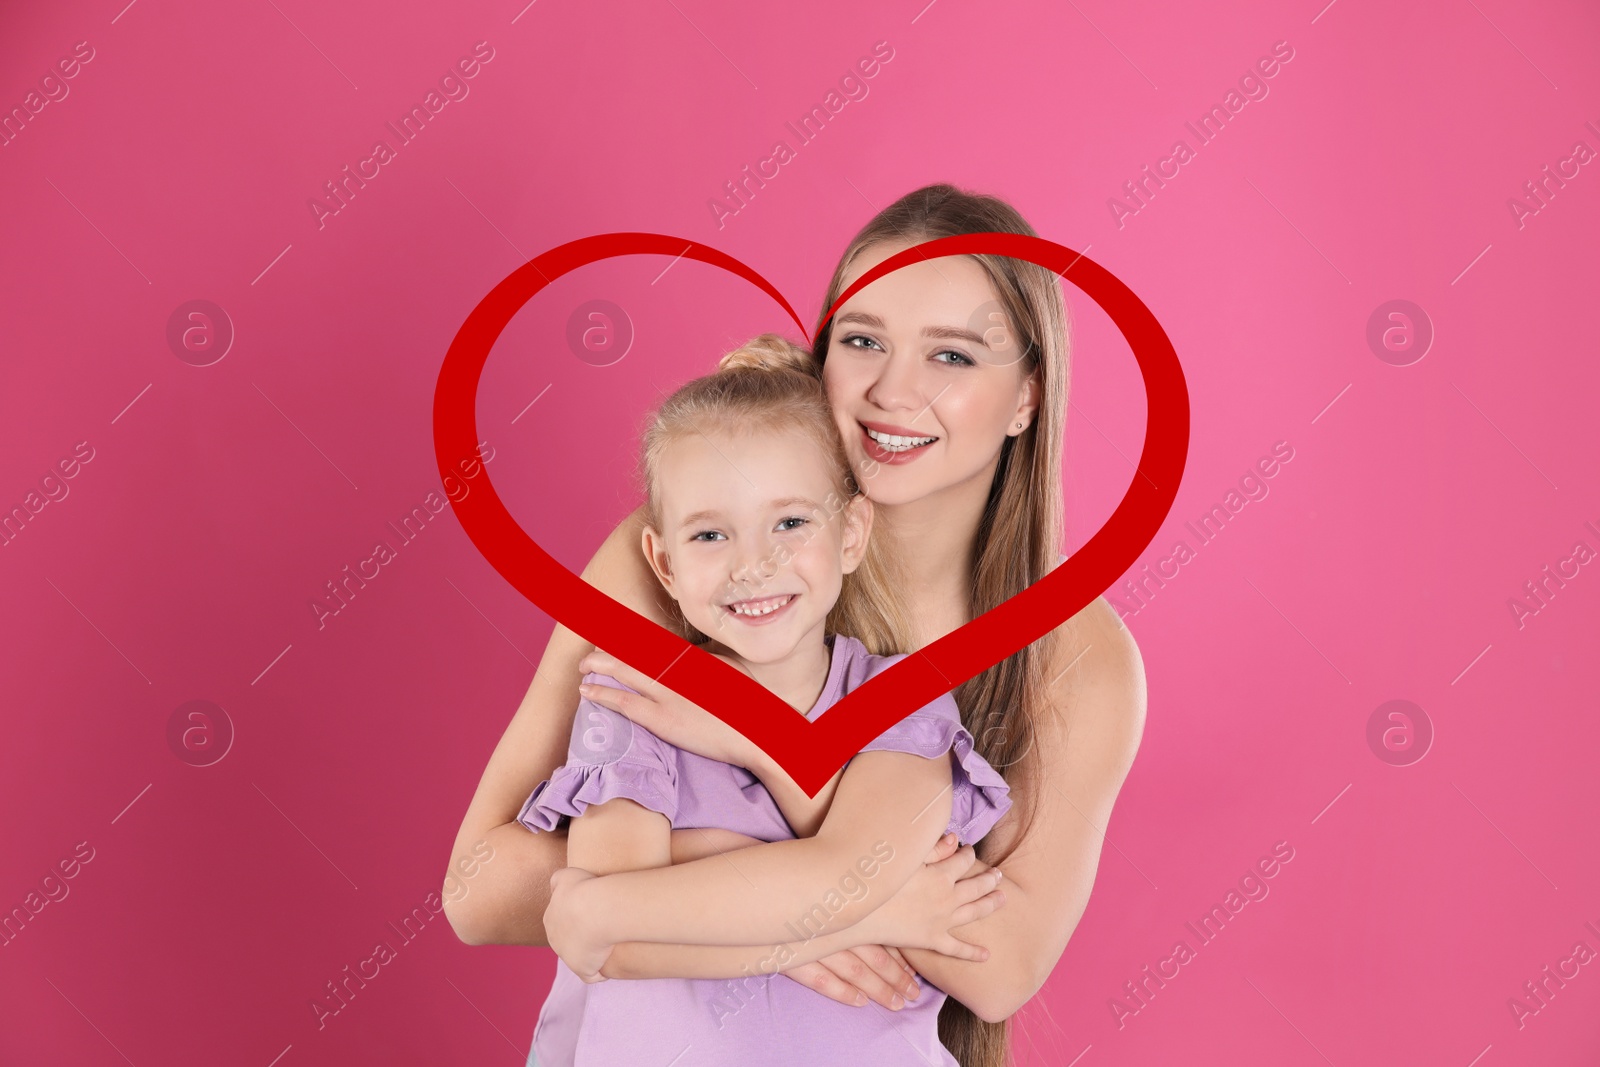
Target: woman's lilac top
767, 1019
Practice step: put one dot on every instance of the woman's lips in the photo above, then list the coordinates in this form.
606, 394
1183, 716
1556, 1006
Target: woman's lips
879, 454
762, 620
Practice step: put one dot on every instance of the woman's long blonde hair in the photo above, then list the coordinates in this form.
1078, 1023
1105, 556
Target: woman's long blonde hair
1019, 534
767, 385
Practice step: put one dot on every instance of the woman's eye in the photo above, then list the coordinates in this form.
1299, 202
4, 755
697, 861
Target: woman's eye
851, 340
958, 360
798, 521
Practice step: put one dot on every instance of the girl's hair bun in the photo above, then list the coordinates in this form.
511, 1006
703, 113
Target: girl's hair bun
770, 351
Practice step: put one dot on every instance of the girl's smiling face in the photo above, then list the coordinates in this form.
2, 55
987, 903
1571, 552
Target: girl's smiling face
754, 538
925, 376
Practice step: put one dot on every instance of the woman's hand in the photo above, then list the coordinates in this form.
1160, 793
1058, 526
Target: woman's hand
940, 896
567, 923
855, 975
672, 718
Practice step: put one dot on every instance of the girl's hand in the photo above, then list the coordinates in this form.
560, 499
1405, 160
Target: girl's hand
880, 973
567, 925
944, 893
664, 713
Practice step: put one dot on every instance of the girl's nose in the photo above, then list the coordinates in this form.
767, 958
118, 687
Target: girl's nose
754, 564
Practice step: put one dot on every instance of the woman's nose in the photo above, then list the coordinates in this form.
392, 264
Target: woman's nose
898, 385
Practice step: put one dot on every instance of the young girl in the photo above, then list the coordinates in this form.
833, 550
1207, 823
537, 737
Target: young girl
759, 534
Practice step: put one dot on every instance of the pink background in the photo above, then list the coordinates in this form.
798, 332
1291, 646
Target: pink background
183, 561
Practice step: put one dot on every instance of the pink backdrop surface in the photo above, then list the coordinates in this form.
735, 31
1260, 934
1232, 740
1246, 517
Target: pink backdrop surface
211, 500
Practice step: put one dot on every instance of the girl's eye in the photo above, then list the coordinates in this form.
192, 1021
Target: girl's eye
851, 339
960, 360
705, 535
798, 520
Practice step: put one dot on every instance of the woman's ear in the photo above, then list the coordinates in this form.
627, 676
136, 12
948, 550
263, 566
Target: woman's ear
857, 531
1027, 405
655, 553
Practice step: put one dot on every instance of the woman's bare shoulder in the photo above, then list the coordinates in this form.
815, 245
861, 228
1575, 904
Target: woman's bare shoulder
1098, 692
619, 570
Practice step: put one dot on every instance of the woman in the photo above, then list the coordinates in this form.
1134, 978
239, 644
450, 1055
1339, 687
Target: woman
948, 379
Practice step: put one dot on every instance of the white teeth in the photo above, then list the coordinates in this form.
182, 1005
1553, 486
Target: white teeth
760, 607
896, 443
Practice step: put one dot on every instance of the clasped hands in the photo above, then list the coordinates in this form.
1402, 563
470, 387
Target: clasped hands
951, 888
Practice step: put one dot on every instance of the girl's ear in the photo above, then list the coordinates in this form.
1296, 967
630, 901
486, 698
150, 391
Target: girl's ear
655, 553
1027, 405
857, 531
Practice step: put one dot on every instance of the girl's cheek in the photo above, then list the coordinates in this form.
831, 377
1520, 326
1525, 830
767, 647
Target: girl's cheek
822, 551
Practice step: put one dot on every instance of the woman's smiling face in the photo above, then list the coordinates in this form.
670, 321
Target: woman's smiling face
925, 376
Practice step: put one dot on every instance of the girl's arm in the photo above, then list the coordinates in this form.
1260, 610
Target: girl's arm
497, 885
686, 726
889, 809
1087, 748
619, 835
649, 959
943, 886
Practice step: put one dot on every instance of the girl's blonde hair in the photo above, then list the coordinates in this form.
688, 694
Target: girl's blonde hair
1019, 534
771, 384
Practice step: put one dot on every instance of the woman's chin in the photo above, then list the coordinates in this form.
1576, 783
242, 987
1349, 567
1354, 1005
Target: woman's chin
886, 489
936, 485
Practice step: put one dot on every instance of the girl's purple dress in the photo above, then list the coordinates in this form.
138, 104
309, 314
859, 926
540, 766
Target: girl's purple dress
767, 1019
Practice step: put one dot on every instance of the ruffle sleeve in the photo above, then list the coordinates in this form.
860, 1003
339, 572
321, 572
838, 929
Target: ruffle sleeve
608, 757
979, 795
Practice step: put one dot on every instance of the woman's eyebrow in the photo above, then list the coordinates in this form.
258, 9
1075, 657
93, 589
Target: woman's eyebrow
954, 333
865, 318
942, 333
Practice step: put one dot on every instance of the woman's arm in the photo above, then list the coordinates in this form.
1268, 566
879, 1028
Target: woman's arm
1087, 748
889, 810
504, 899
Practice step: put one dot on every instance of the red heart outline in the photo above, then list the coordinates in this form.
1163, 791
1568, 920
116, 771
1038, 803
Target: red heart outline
812, 751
